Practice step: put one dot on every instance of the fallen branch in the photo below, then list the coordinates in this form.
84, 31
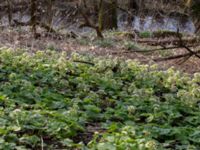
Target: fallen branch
175, 57
156, 42
181, 44
192, 52
184, 59
84, 62
158, 49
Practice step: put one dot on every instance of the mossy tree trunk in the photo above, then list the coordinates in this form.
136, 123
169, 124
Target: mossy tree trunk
107, 15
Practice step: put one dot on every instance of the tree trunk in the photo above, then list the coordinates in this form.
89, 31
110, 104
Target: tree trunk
195, 8
133, 9
134, 5
50, 12
9, 12
108, 14
33, 15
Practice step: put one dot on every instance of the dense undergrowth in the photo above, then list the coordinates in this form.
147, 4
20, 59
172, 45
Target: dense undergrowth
50, 101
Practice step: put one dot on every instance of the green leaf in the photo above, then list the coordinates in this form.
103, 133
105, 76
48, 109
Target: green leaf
106, 146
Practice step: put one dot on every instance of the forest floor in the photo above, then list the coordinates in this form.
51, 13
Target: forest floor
52, 101
115, 44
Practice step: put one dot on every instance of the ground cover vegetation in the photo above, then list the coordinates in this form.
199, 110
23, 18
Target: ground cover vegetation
54, 100
98, 75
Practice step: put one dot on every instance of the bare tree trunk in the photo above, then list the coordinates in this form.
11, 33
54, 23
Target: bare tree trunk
195, 9
9, 12
33, 15
95, 5
133, 7
134, 4
50, 12
108, 14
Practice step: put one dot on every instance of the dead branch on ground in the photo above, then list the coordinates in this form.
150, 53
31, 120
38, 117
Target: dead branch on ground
176, 56
185, 56
183, 45
156, 42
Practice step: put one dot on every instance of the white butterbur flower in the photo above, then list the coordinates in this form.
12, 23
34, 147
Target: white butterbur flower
131, 109
151, 145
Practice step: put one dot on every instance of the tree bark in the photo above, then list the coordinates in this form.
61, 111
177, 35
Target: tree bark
196, 15
50, 12
9, 12
134, 4
133, 8
33, 15
107, 15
